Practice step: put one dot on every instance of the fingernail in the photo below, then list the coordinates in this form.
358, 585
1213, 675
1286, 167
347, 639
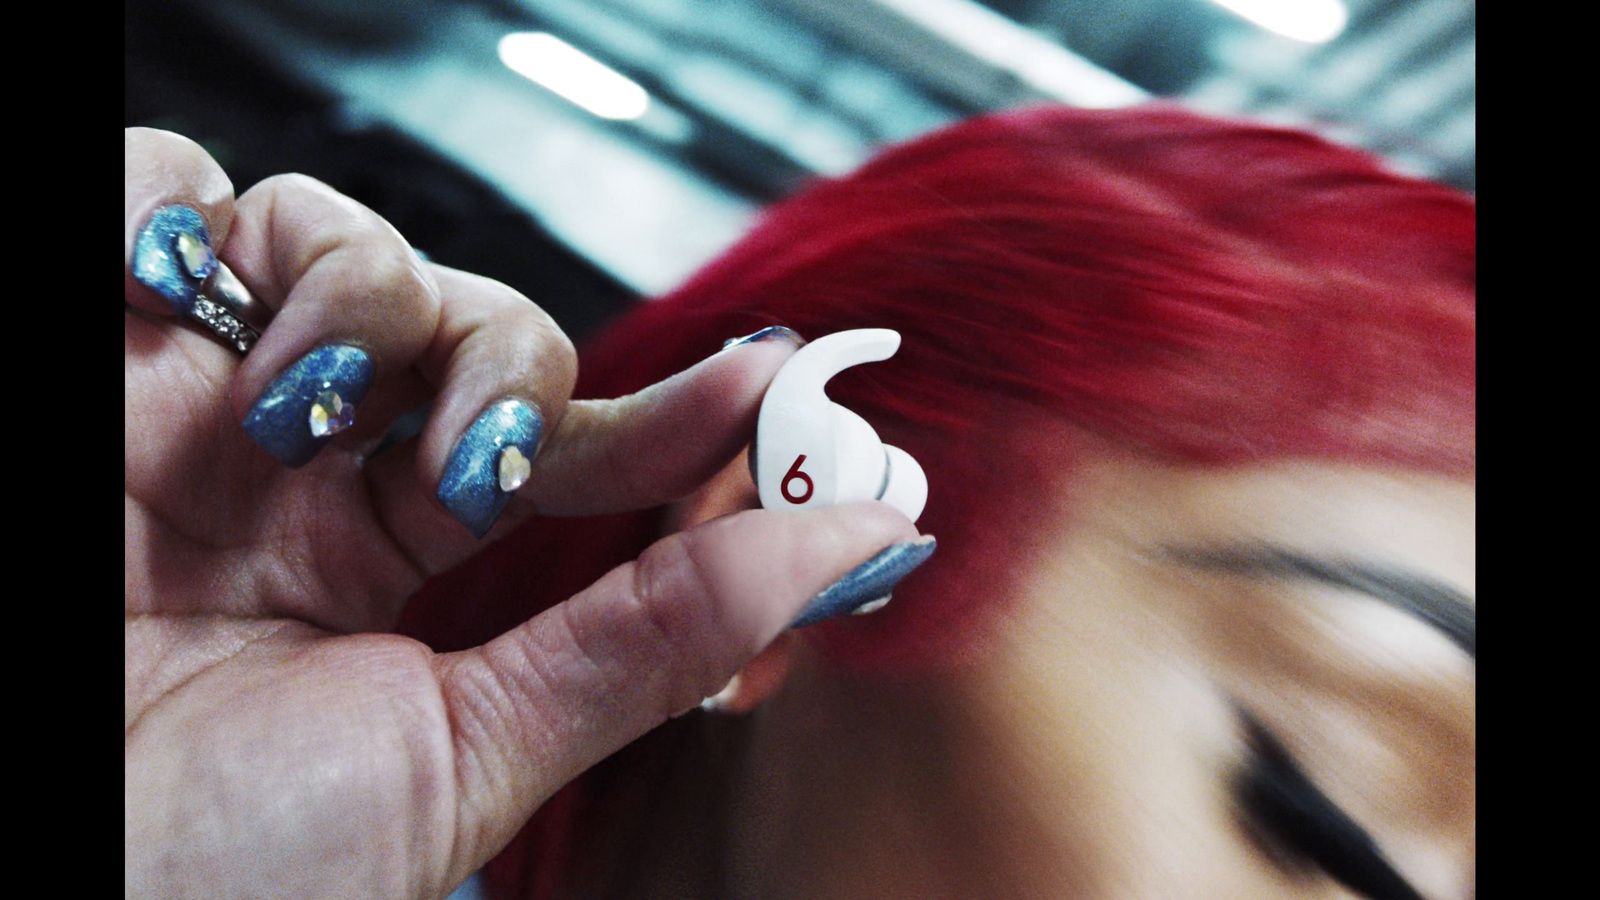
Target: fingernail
718, 701
867, 583
172, 255
308, 404
490, 461
770, 333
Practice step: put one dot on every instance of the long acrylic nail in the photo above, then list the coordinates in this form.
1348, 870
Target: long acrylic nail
490, 461
172, 255
867, 583
770, 333
308, 404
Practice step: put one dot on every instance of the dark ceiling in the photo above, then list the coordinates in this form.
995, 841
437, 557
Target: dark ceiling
408, 108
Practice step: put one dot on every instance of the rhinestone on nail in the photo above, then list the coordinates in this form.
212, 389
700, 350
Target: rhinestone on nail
197, 257
330, 414
873, 605
514, 469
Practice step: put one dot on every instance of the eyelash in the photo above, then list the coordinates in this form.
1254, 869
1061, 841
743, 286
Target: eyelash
1282, 802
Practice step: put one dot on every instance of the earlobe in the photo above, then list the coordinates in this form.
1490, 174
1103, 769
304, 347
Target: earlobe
758, 680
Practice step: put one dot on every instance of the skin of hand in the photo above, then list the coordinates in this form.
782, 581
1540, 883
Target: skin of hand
278, 741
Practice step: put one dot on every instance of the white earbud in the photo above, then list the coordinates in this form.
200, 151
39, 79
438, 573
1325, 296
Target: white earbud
811, 452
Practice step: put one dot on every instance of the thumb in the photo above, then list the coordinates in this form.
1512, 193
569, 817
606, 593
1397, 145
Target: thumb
537, 706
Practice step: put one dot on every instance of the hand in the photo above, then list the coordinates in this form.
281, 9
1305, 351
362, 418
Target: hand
278, 741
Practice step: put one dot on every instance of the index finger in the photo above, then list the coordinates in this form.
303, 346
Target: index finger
660, 444
163, 170
600, 457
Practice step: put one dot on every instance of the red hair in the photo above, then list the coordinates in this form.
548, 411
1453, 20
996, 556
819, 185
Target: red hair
1183, 288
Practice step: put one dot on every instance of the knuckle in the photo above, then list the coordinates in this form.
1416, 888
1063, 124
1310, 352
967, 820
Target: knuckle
396, 270
167, 146
526, 344
675, 604
290, 187
390, 273
336, 222
526, 319
161, 167
522, 343
553, 352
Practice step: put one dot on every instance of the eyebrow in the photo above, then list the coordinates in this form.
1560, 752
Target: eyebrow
1442, 607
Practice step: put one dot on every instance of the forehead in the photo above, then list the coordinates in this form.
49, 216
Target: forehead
1421, 523
1364, 568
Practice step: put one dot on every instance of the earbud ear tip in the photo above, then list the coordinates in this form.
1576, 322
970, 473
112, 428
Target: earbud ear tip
907, 489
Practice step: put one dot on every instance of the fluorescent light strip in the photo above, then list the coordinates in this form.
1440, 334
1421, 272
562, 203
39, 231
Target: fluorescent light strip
1036, 60
1311, 21
556, 65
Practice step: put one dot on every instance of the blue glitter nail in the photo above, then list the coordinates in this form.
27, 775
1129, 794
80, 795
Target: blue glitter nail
309, 403
172, 255
490, 461
868, 582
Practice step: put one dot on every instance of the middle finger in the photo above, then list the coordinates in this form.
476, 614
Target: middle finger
355, 307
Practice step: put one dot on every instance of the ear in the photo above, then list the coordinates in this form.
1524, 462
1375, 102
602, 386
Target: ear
728, 492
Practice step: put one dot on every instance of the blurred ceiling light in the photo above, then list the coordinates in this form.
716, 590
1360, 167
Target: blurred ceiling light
1034, 59
1312, 21
552, 63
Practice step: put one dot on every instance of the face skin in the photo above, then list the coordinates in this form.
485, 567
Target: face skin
1095, 747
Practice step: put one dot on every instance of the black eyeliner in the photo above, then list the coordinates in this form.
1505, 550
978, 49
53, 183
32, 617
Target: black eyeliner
1281, 800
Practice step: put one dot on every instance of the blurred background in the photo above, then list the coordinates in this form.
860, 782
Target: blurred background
593, 152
